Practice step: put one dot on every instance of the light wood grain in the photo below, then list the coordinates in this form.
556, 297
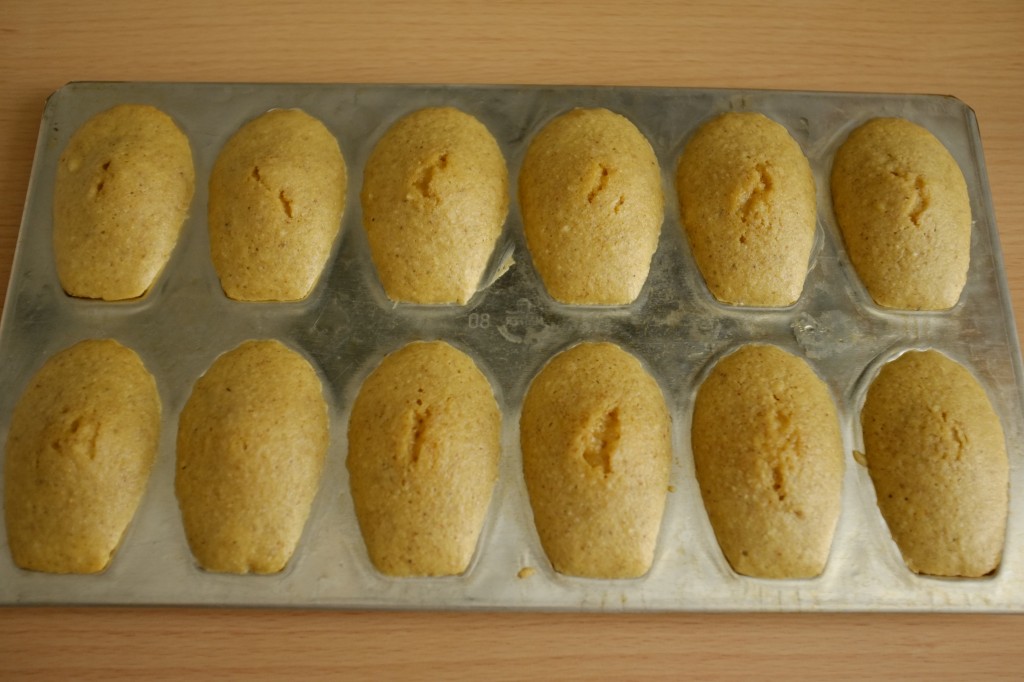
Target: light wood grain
320, 645
973, 50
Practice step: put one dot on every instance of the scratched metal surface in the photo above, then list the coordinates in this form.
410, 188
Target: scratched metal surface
511, 328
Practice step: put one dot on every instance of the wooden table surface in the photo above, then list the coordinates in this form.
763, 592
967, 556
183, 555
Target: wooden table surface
973, 50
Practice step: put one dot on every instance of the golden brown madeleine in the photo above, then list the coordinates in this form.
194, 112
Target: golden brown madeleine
424, 441
746, 196
277, 195
768, 456
251, 445
82, 442
937, 456
903, 208
124, 184
590, 195
435, 197
595, 435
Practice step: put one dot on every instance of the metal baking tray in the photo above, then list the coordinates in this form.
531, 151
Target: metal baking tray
511, 328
